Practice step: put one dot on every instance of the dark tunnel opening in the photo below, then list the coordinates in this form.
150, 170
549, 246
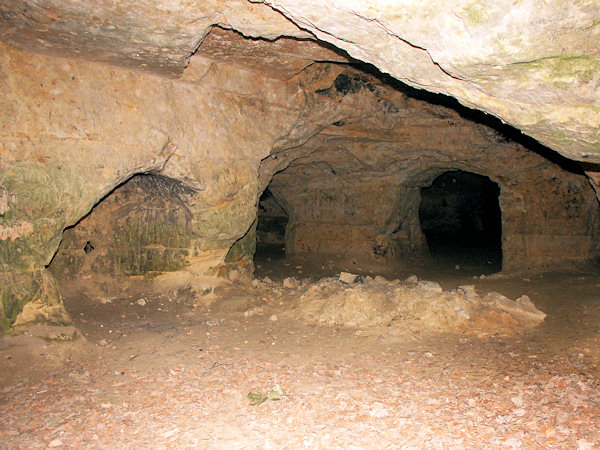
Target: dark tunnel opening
270, 230
461, 219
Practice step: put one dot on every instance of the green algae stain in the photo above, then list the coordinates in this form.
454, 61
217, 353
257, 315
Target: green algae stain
476, 13
42, 197
563, 71
31, 250
143, 245
561, 137
16, 289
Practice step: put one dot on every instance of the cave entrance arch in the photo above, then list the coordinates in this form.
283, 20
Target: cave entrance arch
141, 226
272, 221
461, 219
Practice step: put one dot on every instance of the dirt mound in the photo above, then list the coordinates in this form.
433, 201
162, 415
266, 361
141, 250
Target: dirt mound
413, 304
332, 303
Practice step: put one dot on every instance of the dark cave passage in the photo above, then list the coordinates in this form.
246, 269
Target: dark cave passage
461, 220
270, 229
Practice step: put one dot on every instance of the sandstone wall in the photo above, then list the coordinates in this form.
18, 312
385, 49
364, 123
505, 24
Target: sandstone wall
551, 220
538, 232
533, 63
346, 153
357, 197
73, 130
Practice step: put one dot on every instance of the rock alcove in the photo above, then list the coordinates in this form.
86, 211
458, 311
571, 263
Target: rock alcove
141, 227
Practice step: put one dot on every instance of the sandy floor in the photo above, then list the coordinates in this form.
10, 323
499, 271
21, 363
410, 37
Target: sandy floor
164, 373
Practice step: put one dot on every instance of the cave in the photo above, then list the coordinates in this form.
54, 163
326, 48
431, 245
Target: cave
299, 224
461, 220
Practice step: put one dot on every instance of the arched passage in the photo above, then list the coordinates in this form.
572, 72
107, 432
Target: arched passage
461, 219
270, 229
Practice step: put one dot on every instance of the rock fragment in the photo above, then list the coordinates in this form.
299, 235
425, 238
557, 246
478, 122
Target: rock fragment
346, 277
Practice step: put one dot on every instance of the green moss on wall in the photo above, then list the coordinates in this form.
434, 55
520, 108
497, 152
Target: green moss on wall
42, 194
561, 137
16, 289
226, 220
156, 233
30, 251
144, 226
476, 14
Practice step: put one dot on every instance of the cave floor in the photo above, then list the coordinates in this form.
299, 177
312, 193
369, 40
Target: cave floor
164, 373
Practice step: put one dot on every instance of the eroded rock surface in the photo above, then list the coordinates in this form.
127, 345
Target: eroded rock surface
533, 64
74, 131
347, 141
355, 189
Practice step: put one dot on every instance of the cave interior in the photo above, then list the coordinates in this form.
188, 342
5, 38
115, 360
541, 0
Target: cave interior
284, 200
410, 182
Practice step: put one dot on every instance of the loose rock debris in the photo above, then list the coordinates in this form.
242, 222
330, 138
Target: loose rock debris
412, 304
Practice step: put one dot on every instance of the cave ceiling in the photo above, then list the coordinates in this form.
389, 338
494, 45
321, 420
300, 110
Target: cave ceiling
534, 64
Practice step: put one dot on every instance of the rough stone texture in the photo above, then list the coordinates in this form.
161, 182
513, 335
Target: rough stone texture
159, 36
72, 131
31, 297
143, 226
354, 190
534, 64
